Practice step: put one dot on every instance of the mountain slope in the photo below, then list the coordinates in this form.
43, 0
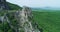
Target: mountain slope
13, 6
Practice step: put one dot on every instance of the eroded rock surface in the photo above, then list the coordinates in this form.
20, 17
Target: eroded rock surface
25, 19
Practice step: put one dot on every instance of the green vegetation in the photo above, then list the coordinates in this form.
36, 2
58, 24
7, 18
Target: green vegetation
48, 21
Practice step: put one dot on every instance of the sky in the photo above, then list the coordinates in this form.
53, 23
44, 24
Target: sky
36, 3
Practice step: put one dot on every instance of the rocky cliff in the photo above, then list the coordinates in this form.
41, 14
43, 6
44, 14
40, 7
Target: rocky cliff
24, 19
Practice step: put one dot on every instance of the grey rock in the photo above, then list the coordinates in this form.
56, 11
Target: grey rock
24, 21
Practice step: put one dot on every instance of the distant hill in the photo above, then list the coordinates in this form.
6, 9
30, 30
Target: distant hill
46, 8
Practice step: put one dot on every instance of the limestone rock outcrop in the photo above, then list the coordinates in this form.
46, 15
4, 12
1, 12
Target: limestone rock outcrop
26, 18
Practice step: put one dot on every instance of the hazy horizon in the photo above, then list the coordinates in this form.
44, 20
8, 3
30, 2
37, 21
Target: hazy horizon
37, 3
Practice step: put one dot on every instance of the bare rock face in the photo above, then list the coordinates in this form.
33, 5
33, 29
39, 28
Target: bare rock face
25, 20
3, 5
